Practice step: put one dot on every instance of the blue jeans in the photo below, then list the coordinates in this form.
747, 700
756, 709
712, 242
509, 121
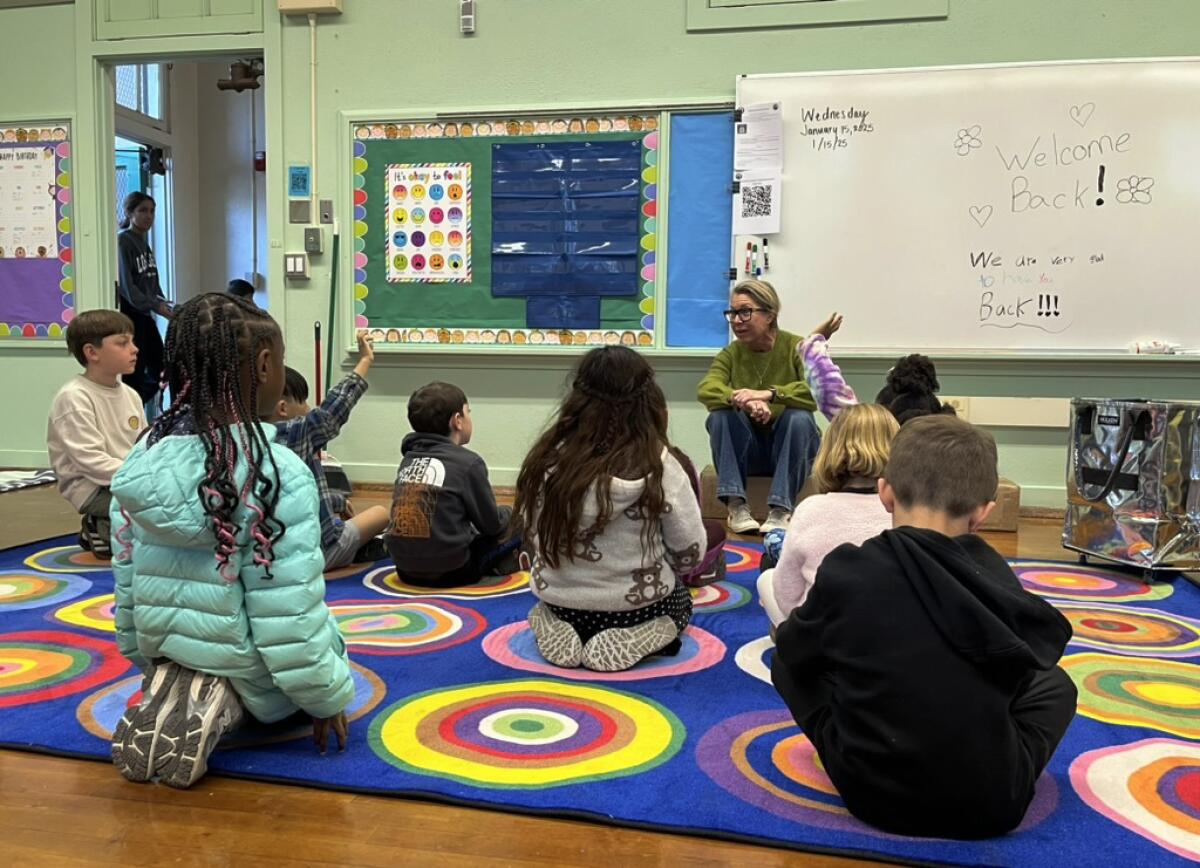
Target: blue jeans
785, 450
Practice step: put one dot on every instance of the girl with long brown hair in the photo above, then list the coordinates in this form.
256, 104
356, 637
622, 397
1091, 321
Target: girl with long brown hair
610, 519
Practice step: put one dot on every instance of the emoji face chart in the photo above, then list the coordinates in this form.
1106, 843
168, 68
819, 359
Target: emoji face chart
429, 208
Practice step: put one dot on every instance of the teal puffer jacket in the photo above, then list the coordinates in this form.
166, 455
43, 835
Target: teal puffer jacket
274, 639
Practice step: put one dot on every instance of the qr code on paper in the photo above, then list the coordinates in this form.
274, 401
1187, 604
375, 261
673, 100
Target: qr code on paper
756, 200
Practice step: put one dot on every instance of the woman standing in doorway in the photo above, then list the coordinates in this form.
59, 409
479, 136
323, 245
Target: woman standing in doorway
141, 297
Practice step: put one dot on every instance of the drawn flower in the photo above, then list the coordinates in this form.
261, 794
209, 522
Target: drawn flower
1135, 190
968, 140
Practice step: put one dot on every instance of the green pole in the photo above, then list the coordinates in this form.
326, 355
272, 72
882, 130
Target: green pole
332, 333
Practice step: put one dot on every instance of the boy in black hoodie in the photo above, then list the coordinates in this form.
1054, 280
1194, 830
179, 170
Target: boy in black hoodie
923, 673
445, 529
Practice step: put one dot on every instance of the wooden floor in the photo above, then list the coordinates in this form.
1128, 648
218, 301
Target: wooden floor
72, 812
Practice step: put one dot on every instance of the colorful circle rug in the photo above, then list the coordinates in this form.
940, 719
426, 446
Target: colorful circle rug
741, 558
39, 665
95, 613
1151, 787
526, 734
345, 572
762, 758
412, 627
1086, 583
1132, 630
719, 597
385, 581
513, 646
751, 658
99, 713
24, 589
66, 559
1134, 691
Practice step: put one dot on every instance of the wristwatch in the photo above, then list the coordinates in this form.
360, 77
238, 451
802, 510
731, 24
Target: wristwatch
774, 395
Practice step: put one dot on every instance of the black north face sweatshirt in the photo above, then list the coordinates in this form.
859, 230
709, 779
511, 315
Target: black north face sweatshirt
441, 501
902, 666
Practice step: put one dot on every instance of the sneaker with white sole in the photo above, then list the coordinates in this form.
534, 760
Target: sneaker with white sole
213, 709
619, 648
777, 519
146, 739
740, 520
556, 640
94, 537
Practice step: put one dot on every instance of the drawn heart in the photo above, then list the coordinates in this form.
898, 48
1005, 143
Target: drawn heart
981, 215
1081, 114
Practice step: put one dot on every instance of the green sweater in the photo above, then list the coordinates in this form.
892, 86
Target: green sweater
739, 367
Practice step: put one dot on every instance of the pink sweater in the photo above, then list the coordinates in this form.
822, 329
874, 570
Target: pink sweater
819, 525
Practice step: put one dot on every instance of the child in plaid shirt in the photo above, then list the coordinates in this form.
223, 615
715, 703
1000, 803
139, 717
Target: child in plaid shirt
306, 431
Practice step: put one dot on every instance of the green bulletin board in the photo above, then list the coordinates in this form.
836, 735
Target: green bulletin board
443, 311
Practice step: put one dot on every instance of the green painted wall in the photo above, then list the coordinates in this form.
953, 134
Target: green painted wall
37, 66
407, 57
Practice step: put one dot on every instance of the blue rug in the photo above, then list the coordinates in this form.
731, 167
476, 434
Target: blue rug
454, 704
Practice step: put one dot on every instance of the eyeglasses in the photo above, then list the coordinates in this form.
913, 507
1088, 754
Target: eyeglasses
743, 314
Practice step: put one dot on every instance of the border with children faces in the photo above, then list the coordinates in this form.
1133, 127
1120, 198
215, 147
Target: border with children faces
384, 305
37, 286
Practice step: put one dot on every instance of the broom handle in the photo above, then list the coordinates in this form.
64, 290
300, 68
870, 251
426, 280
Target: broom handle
317, 361
333, 276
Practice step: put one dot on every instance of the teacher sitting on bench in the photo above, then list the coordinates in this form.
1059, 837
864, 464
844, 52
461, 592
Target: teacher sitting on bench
760, 419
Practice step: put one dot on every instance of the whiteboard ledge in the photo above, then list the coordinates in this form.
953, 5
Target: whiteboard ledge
897, 70
1016, 355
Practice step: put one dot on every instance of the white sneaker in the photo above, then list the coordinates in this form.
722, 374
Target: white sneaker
740, 520
777, 519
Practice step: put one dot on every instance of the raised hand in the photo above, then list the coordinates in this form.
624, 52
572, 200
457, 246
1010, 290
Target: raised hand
366, 346
830, 325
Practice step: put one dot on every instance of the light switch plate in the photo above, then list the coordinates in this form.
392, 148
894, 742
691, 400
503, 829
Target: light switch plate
295, 266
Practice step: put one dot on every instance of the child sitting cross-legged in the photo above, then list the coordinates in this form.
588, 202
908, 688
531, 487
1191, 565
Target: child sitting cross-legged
306, 431
611, 519
445, 527
94, 420
847, 510
922, 671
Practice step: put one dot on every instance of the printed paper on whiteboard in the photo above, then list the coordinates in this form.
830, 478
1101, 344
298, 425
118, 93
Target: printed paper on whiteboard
758, 138
757, 204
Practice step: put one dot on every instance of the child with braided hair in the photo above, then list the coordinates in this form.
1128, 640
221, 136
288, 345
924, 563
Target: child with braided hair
220, 599
611, 520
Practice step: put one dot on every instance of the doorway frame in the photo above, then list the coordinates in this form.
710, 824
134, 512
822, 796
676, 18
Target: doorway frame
96, 123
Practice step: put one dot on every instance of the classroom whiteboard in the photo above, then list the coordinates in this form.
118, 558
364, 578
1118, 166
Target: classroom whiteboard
1034, 207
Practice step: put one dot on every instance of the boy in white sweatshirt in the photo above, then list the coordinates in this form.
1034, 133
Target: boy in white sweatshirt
94, 420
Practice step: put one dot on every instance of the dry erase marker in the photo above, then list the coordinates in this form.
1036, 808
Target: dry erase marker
747, 258
766, 257
754, 258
